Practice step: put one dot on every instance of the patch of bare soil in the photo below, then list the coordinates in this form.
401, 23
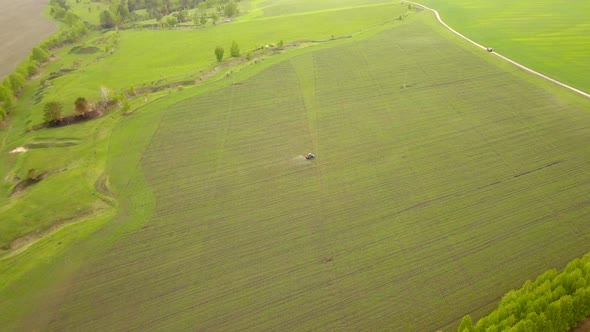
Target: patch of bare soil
21, 244
20, 149
101, 185
583, 326
24, 184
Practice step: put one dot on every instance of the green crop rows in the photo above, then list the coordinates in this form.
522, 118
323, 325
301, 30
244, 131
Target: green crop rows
443, 179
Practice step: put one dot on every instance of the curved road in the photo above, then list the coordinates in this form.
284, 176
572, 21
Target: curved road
585, 94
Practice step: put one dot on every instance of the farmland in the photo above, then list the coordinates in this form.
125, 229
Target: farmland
548, 36
444, 177
26, 18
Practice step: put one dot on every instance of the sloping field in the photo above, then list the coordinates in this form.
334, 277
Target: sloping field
550, 36
187, 54
442, 180
282, 7
21, 28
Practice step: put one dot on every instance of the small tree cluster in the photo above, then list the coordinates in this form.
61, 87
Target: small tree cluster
553, 302
52, 112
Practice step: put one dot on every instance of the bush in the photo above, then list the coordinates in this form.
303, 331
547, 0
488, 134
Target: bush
235, 49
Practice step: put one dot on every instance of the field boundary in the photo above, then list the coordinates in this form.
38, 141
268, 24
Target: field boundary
521, 66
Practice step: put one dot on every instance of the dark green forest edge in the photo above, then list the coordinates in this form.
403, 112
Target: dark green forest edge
553, 302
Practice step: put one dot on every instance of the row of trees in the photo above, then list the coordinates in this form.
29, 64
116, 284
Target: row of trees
53, 110
553, 302
13, 85
53, 113
234, 51
169, 12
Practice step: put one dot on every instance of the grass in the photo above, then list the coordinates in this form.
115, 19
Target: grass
26, 18
436, 165
549, 36
289, 7
86, 73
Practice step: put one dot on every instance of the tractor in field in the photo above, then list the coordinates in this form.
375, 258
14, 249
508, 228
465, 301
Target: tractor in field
310, 156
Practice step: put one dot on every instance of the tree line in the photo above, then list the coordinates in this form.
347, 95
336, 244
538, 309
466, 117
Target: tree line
12, 86
553, 302
167, 12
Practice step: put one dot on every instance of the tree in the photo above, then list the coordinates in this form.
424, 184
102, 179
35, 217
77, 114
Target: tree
123, 10
235, 49
40, 55
203, 19
53, 112
17, 82
81, 106
104, 95
230, 9
171, 20
107, 20
7, 97
466, 324
214, 17
219, 53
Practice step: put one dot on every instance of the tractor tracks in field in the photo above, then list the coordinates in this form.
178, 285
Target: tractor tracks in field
521, 66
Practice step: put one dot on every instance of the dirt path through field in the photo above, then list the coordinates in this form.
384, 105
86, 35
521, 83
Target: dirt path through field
585, 94
21, 28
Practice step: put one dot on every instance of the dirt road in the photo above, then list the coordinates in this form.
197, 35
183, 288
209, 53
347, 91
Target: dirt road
22, 26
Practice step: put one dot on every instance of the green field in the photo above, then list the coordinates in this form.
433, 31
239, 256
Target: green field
550, 36
444, 178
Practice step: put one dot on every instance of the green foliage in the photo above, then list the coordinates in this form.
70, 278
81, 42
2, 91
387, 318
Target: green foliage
81, 106
7, 97
2, 113
58, 13
171, 20
40, 55
219, 53
52, 112
203, 19
230, 9
214, 18
107, 20
235, 49
17, 82
554, 301
466, 325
